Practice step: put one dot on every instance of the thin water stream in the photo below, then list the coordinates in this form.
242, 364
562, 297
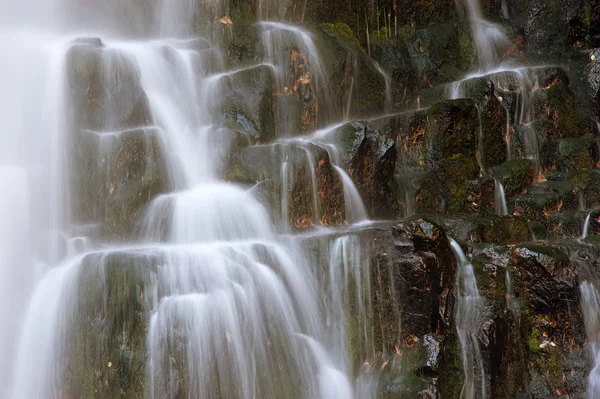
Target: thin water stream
467, 319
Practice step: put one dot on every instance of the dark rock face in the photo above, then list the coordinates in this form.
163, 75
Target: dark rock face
450, 149
305, 164
360, 83
369, 158
531, 329
247, 102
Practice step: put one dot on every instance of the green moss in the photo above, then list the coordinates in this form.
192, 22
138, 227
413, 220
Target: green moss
453, 181
576, 154
341, 31
533, 340
538, 230
515, 176
504, 230
593, 240
451, 130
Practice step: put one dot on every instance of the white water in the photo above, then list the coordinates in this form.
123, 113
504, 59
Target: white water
490, 40
590, 304
242, 307
280, 42
355, 210
349, 286
500, 199
467, 319
586, 226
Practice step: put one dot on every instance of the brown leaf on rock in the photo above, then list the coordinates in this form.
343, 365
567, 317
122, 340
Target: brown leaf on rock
225, 20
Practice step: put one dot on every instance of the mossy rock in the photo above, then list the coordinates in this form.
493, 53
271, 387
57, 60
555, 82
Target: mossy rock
369, 157
480, 197
451, 131
576, 154
537, 206
516, 176
247, 102
589, 182
449, 190
106, 353
244, 35
491, 145
557, 104
342, 32
503, 230
357, 86
264, 163
538, 230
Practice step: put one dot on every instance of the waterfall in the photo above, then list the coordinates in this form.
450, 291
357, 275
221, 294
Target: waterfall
298, 67
490, 41
229, 309
586, 226
500, 199
590, 304
467, 319
349, 288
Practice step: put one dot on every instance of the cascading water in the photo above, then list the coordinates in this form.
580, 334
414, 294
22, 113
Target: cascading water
467, 318
229, 310
500, 199
490, 41
586, 226
590, 304
298, 68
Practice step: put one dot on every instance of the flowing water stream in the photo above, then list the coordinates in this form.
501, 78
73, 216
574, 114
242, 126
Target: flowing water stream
467, 318
230, 309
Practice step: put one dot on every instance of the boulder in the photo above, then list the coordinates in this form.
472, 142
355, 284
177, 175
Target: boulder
105, 88
306, 165
247, 101
106, 351
369, 157
117, 175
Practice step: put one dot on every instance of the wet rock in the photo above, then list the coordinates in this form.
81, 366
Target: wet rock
480, 197
441, 53
577, 154
491, 142
244, 35
450, 149
369, 158
451, 131
104, 85
552, 325
556, 102
588, 182
247, 101
412, 276
288, 115
137, 174
353, 76
406, 82
117, 175
408, 129
106, 349
292, 185
516, 176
